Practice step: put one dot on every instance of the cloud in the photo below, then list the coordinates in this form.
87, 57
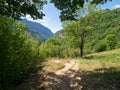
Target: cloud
46, 21
116, 6
41, 21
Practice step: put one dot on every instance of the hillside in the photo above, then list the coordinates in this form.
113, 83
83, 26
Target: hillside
100, 34
58, 35
38, 30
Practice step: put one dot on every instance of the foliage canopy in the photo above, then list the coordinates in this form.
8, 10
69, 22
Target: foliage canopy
69, 7
18, 8
90, 34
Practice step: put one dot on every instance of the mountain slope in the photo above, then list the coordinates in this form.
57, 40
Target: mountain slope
38, 29
105, 33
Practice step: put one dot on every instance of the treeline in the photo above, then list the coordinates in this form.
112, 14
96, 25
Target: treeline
98, 31
19, 53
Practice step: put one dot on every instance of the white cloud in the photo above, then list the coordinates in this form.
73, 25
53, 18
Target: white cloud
46, 21
116, 6
41, 21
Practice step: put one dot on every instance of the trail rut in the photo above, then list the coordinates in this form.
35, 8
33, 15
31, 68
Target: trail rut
66, 78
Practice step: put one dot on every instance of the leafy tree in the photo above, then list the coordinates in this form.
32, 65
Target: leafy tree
18, 8
87, 9
18, 49
68, 8
101, 46
51, 48
78, 31
18, 52
111, 41
101, 32
83, 11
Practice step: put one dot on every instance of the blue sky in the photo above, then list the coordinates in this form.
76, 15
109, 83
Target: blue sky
111, 4
52, 20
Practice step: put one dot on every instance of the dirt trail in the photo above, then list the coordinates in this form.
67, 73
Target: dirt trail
56, 76
68, 65
66, 78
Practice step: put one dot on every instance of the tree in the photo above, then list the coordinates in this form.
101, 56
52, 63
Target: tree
18, 53
104, 33
68, 7
111, 41
51, 48
87, 9
79, 31
18, 8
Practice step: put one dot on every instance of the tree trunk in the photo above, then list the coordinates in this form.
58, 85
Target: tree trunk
81, 47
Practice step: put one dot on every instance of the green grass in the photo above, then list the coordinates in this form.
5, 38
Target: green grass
101, 71
105, 59
98, 71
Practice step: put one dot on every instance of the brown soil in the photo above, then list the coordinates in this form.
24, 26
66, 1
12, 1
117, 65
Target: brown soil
66, 78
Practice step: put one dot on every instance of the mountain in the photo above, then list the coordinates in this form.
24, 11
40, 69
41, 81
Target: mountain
38, 30
59, 35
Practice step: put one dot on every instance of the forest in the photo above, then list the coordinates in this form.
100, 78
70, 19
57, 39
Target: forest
86, 49
88, 35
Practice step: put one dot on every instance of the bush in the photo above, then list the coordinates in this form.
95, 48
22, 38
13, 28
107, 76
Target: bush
51, 48
111, 41
18, 52
101, 46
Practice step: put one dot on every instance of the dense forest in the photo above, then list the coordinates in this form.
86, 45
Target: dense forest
22, 51
87, 35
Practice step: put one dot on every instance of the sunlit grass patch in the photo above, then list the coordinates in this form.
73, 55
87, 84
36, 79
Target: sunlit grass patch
105, 59
54, 64
101, 71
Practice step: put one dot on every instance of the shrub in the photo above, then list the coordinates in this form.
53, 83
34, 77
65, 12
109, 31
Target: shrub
18, 52
101, 46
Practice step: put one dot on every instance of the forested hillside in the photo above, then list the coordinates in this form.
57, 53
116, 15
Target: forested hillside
98, 31
38, 30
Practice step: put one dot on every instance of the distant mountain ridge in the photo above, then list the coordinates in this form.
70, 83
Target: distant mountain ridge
38, 29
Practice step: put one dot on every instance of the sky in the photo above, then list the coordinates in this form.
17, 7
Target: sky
52, 20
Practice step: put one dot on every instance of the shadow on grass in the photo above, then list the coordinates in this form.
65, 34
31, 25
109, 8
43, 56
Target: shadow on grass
28, 79
101, 79
22, 83
69, 81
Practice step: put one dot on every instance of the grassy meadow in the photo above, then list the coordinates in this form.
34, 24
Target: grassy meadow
100, 71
